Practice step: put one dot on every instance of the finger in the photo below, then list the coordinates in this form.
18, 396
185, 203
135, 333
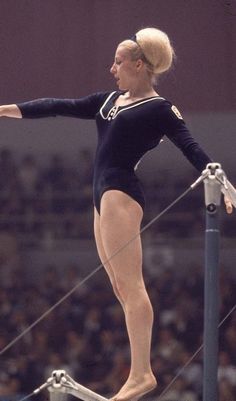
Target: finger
229, 207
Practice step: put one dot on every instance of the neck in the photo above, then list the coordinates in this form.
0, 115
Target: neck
141, 91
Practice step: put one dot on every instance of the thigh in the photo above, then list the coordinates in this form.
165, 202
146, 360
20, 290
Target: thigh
120, 222
101, 253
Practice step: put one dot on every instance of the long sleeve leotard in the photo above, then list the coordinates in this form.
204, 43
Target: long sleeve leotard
125, 134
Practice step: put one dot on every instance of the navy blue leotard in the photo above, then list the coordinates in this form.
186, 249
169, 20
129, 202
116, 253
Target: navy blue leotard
125, 134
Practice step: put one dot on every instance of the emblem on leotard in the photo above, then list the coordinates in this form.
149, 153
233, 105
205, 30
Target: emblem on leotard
112, 113
176, 111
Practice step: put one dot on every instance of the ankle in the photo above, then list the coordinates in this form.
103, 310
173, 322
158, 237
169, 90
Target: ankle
143, 377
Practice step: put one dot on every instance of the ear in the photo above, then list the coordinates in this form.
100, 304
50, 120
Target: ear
139, 64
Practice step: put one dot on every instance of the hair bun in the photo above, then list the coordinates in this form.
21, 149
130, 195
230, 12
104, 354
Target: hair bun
156, 48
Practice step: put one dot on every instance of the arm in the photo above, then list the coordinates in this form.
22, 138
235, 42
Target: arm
173, 126
86, 107
10, 110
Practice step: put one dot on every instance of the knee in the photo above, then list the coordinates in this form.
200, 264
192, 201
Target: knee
121, 289
127, 290
116, 289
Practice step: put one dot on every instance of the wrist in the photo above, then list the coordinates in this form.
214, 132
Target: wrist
2, 111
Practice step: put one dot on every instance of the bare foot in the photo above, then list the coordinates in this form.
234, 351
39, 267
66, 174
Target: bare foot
135, 388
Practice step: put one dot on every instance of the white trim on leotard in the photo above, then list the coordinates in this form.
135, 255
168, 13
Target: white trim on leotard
115, 110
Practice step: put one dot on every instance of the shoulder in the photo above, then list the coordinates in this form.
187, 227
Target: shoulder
168, 111
166, 107
97, 96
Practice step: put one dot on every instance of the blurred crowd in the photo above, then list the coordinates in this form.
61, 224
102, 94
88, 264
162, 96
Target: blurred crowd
36, 199
86, 334
55, 198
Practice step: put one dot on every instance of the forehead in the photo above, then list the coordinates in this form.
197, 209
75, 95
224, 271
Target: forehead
122, 52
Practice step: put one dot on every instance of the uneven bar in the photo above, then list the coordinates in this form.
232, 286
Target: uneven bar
61, 384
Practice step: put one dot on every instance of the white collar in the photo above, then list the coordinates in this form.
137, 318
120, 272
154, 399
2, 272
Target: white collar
115, 110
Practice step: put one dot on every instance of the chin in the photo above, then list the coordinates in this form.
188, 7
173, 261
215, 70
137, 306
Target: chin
122, 87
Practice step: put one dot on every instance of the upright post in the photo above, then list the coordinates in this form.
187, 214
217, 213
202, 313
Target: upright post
211, 286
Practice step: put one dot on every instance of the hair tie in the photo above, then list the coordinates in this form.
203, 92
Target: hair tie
134, 39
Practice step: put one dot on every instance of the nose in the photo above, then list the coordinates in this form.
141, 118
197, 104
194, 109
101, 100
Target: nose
112, 69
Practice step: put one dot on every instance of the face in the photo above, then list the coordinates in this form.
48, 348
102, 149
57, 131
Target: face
124, 69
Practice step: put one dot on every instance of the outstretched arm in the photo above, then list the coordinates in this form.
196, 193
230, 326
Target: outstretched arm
86, 107
10, 110
175, 129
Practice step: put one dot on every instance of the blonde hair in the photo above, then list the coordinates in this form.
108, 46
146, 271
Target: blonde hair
153, 47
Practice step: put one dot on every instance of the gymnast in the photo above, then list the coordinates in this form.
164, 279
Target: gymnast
130, 121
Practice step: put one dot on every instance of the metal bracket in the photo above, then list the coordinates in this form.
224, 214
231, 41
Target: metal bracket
60, 384
215, 181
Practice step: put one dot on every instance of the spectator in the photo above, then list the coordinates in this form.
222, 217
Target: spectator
226, 391
193, 374
169, 346
226, 370
55, 362
28, 173
179, 391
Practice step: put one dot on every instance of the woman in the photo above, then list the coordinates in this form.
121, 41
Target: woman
130, 122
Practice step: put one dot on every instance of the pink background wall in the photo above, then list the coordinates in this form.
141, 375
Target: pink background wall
64, 48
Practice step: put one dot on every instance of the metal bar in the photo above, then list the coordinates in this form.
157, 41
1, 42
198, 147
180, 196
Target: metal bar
211, 307
212, 186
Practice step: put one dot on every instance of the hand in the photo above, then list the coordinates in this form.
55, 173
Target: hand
228, 205
10, 110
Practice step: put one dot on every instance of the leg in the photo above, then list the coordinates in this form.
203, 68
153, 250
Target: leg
119, 222
103, 256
